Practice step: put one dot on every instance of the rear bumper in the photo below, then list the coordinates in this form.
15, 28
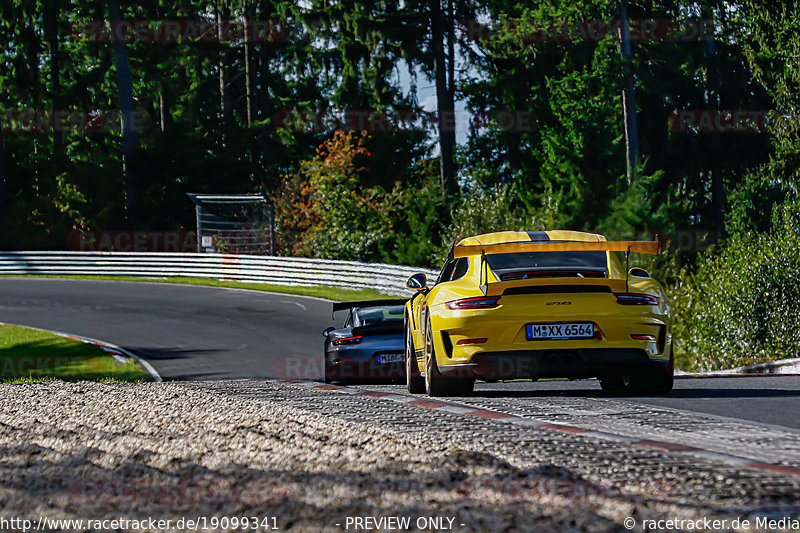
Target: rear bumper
370, 370
536, 364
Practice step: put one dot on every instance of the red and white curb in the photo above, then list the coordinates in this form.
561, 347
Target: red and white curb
121, 355
456, 408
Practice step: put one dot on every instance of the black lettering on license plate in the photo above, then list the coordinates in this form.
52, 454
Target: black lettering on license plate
560, 331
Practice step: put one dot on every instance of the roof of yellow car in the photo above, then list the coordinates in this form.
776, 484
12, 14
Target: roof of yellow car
501, 237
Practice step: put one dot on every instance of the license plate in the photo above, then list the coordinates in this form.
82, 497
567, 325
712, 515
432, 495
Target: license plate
575, 330
391, 358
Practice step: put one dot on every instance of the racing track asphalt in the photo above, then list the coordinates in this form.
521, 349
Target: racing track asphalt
198, 333
186, 332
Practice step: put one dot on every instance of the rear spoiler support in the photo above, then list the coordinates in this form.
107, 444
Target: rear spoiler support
484, 274
627, 267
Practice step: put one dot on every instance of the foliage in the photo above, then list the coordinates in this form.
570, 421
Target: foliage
755, 199
419, 217
342, 219
574, 86
484, 211
742, 306
326, 210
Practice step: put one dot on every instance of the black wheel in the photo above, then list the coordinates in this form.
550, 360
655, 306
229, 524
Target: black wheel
435, 383
667, 380
616, 385
414, 381
659, 380
326, 369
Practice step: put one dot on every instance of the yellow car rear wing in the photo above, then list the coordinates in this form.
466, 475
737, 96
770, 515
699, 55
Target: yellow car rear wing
644, 247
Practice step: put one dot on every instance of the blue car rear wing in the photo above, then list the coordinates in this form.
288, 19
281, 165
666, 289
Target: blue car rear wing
341, 306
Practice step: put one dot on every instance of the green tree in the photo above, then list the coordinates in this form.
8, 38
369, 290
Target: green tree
573, 85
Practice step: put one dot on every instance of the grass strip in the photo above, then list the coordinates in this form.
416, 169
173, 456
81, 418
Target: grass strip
329, 293
29, 355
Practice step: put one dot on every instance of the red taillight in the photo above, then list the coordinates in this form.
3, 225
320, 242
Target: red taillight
481, 302
632, 298
643, 337
347, 340
471, 341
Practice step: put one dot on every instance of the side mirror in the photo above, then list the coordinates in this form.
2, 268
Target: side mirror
639, 272
327, 331
417, 282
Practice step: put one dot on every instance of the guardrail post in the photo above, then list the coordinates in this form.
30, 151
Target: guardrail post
199, 238
271, 228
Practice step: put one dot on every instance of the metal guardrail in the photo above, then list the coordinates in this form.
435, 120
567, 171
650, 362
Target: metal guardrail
388, 279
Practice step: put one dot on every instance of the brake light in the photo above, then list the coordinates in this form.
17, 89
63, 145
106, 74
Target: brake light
632, 298
471, 341
643, 337
347, 340
481, 302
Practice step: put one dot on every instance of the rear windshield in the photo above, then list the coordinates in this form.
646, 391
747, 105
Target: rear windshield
533, 261
385, 315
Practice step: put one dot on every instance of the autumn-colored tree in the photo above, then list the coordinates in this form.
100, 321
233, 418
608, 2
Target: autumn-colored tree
306, 200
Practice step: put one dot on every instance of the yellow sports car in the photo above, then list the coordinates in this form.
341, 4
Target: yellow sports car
539, 304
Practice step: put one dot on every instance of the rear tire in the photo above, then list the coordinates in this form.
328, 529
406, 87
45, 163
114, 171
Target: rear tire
616, 385
660, 380
326, 366
435, 383
655, 380
414, 381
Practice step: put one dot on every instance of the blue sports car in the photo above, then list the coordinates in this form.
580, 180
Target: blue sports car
370, 344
